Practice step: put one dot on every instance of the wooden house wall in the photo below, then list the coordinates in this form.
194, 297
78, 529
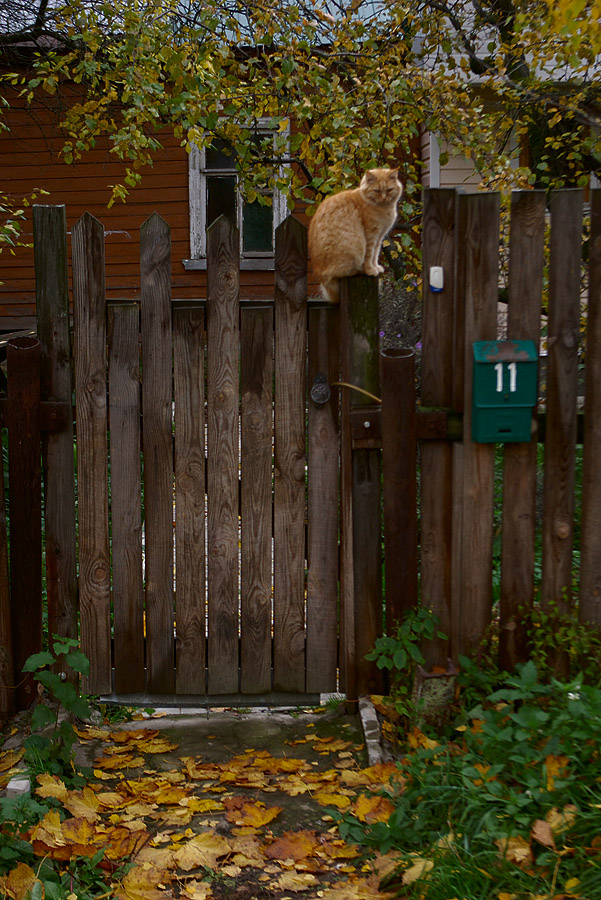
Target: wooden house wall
30, 158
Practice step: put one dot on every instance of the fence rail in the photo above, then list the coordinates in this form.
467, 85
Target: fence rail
227, 533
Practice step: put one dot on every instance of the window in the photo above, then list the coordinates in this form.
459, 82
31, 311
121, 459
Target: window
213, 191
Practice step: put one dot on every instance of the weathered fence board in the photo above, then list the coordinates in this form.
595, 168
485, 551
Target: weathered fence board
52, 304
589, 609
25, 505
155, 306
526, 257
223, 457
437, 391
126, 507
7, 672
261, 491
477, 241
289, 496
362, 594
89, 315
190, 533
399, 473
256, 391
562, 378
322, 506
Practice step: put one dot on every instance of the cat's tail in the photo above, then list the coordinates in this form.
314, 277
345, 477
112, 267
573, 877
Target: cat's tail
330, 290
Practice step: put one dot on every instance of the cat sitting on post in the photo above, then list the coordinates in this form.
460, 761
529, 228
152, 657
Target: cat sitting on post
346, 232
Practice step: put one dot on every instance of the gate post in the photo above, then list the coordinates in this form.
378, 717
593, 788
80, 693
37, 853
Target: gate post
361, 553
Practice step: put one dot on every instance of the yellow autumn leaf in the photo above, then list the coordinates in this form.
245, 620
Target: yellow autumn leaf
18, 883
116, 762
296, 881
293, 845
554, 766
356, 889
372, 809
419, 869
196, 890
417, 738
49, 830
254, 815
82, 804
326, 798
516, 850
203, 850
10, 758
560, 820
200, 805
135, 734
140, 883
51, 786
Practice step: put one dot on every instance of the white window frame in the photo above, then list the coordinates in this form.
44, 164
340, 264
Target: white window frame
197, 175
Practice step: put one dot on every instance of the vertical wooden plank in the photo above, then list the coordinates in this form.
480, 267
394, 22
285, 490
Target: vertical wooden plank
322, 510
155, 296
562, 378
7, 675
190, 581
89, 317
223, 289
477, 269
25, 505
52, 309
399, 470
256, 498
362, 610
437, 391
526, 257
126, 506
289, 498
589, 610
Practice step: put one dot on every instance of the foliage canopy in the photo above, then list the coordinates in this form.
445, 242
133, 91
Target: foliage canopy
354, 80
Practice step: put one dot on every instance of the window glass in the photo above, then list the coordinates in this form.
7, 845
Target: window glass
257, 227
221, 198
220, 155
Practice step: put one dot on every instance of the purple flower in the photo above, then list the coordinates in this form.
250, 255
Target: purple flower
382, 333
418, 346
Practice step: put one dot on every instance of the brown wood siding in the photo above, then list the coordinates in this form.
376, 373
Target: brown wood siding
30, 158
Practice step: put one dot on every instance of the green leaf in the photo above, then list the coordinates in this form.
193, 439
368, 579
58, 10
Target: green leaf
65, 693
41, 717
38, 660
400, 658
50, 680
78, 661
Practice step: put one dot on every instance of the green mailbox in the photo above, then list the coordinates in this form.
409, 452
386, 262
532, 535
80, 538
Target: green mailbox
504, 390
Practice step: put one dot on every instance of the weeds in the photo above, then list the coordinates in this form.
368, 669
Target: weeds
509, 804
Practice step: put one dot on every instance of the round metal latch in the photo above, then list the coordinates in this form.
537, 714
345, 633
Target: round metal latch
320, 390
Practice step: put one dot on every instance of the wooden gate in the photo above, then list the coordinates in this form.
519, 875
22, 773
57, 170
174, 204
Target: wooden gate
205, 400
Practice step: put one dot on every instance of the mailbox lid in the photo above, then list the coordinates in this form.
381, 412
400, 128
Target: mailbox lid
505, 373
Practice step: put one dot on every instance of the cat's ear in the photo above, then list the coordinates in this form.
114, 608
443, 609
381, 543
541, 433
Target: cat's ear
395, 172
369, 176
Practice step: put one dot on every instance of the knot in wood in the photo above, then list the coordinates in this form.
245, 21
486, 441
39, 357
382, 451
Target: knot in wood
100, 573
562, 529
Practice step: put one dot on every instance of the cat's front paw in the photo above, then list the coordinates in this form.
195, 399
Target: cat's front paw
374, 270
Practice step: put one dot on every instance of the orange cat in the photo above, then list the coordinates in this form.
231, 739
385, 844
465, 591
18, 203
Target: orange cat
346, 232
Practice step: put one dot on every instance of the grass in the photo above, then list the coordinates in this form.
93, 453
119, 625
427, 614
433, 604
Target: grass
506, 804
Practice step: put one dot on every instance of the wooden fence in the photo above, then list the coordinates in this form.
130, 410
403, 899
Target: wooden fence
218, 531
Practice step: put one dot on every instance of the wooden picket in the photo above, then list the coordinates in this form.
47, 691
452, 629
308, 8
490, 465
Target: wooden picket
229, 472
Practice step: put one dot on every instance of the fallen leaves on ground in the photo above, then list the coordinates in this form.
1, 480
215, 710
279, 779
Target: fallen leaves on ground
192, 831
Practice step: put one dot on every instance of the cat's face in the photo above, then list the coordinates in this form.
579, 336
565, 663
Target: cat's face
382, 186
